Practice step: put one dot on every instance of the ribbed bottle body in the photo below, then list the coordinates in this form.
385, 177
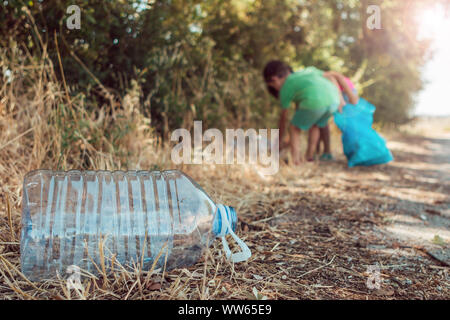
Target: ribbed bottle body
93, 219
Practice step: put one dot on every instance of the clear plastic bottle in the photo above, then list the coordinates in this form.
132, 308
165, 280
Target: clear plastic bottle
90, 218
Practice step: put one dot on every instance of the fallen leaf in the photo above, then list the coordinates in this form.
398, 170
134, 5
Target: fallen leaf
154, 286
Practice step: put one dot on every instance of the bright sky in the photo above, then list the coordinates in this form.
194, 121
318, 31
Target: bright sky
435, 97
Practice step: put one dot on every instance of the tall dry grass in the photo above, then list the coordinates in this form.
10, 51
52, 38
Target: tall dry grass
43, 124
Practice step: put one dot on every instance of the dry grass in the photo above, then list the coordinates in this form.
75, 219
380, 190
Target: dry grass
313, 230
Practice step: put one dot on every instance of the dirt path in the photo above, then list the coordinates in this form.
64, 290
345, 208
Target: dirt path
342, 222
424, 215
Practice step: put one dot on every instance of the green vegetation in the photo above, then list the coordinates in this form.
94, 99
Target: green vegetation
193, 59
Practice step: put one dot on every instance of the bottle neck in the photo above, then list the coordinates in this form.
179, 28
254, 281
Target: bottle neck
219, 228
225, 223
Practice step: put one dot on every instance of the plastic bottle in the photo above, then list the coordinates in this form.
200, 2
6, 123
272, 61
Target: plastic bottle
94, 218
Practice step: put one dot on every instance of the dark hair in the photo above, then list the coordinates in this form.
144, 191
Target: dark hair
275, 68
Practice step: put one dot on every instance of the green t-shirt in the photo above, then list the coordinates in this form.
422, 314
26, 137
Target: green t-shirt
309, 89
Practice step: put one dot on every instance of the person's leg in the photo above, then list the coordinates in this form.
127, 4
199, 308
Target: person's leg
294, 141
313, 139
325, 137
306, 119
321, 141
325, 130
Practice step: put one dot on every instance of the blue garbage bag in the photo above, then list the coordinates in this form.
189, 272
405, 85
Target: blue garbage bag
363, 146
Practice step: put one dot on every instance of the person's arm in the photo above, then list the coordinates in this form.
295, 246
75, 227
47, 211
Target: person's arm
332, 78
352, 97
282, 126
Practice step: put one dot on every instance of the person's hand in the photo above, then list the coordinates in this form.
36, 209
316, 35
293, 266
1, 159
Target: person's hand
342, 103
341, 107
354, 99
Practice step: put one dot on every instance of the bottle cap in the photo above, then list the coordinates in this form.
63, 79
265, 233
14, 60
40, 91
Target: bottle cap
230, 215
225, 223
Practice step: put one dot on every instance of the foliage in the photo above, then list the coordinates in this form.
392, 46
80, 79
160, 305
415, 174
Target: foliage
202, 59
